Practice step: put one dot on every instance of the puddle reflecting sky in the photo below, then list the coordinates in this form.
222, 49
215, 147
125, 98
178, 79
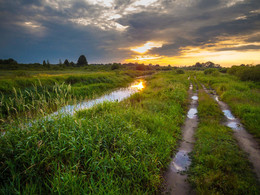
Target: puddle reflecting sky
234, 125
192, 113
228, 114
194, 97
181, 161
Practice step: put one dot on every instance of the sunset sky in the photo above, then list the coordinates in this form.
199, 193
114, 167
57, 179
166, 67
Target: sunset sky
175, 32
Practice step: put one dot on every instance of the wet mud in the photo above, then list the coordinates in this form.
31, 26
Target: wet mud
175, 176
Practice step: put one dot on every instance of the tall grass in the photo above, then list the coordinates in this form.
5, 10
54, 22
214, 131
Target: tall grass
113, 148
218, 165
28, 97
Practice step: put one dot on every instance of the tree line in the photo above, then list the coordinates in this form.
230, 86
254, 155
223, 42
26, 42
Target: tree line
82, 61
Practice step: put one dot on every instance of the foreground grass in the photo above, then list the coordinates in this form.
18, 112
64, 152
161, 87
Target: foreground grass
242, 97
113, 148
218, 165
29, 96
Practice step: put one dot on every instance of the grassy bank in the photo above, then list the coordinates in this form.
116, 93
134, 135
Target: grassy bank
243, 97
113, 148
218, 165
44, 93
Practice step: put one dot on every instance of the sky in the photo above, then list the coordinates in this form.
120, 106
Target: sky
175, 32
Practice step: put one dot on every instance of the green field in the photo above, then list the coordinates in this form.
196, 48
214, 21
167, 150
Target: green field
121, 147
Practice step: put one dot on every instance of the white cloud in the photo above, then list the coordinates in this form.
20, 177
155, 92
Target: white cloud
104, 25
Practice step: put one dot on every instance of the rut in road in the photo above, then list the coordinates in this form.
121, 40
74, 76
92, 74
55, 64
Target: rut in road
175, 177
245, 140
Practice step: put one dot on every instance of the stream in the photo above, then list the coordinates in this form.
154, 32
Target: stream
115, 96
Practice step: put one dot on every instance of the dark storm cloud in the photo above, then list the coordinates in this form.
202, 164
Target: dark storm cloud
241, 48
33, 30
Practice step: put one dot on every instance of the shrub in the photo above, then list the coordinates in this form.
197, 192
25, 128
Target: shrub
180, 71
246, 73
210, 71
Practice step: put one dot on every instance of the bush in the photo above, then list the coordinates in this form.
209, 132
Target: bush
246, 73
180, 71
210, 71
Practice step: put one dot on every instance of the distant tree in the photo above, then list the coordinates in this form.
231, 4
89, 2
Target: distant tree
140, 67
72, 63
48, 65
82, 61
8, 61
66, 62
209, 64
44, 63
115, 66
198, 65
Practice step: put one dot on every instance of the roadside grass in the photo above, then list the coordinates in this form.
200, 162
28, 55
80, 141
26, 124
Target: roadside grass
26, 97
243, 97
113, 148
218, 165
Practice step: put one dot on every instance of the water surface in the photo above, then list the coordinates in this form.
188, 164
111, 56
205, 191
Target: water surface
181, 161
228, 114
192, 113
115, 96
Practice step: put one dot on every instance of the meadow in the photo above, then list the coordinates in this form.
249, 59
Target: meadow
121, 147
111, 148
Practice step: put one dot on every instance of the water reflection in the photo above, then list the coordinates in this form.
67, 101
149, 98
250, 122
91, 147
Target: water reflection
138, 86
194, 97
181, 161
228, 114
117, 95
192, 113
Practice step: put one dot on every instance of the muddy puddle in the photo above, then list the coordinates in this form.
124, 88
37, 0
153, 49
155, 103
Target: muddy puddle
194, 97
181, 161
228, 114
245, 140
192, 113
175, 176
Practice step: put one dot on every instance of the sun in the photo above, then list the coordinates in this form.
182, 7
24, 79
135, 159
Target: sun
146, 47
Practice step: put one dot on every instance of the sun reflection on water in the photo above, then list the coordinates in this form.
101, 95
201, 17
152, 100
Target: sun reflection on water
139, 85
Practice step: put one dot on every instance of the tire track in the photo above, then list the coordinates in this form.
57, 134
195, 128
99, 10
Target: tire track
175, 177
245, 140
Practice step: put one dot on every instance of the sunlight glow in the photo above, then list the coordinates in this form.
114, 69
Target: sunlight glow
227, 51
138, 86
146, 47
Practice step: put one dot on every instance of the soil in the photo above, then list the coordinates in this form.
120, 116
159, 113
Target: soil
175, 176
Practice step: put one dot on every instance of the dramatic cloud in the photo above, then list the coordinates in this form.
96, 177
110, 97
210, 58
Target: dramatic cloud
176, 32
